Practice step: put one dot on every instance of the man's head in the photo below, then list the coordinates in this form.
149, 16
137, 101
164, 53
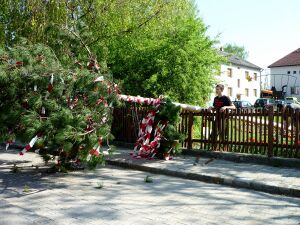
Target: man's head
219, 89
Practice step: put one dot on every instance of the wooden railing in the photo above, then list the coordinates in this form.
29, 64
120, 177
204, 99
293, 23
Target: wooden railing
255, 131
126, 123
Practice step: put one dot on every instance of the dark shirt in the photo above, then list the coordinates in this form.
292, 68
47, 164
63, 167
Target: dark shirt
219, 102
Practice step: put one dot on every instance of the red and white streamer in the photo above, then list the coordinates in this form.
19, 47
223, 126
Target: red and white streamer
8, 143
99, 79
141, 100
96, 150
29, 145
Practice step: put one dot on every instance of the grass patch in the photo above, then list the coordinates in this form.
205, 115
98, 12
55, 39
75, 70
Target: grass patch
100, 185
148, 179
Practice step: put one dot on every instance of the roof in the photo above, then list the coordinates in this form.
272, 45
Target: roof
292, 59
235, 60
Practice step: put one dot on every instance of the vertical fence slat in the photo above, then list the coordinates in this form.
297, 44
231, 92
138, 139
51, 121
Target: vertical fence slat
292, 135
248, 146
255, 127
182, 126
239, 130
205, 117
231, 130
282, 132
190, 130
260, 131
277, 128
243, 131
235, 130
270, 131
223, 130
297, 133
286, 133
202, 126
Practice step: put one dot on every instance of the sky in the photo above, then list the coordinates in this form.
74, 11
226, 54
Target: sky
268, 29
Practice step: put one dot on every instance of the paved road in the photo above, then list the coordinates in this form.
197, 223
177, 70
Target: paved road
30, 197
276, 176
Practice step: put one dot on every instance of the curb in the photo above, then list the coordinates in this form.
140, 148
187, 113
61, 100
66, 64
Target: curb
233, 156
245, 158
237, 183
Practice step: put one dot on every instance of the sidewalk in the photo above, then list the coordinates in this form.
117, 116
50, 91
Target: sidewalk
33, 197
275, 180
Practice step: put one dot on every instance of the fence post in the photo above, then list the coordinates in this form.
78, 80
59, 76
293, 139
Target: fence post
190, 131
270, 130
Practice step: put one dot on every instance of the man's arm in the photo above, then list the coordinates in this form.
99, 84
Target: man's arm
211, 108
230, 105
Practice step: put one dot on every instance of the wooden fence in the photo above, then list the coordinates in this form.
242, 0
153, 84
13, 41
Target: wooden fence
255, 131
126, 123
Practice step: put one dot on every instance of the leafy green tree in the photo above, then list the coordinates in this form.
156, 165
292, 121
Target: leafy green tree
152, 47
239, 51
176, 59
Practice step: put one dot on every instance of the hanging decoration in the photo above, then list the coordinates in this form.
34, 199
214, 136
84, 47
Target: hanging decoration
29, 145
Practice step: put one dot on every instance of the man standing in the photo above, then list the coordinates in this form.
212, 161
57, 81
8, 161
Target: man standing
221, 102
219, 125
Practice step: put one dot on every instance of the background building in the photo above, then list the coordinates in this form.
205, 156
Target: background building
285, 74
240, 78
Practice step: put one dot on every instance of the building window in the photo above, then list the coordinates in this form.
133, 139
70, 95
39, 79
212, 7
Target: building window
295, 90
255, 92
229, 72
229, 91
294, 72
239, 83
255, 76
247, 75
288, 72
247, 92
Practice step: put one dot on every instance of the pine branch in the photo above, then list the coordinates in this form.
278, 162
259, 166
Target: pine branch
81, 41
88, 132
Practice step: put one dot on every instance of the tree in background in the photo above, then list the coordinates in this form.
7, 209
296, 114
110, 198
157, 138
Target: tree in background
239, 51
152, 47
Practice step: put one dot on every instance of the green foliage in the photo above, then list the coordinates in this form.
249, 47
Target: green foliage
26, 188
67, 117
148, 179
239, 51
172, 57
100, 185
170, 113
94, 161
152, 47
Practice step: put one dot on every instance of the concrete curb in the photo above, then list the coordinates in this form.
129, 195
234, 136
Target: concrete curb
237, 183
245, 158
233, 156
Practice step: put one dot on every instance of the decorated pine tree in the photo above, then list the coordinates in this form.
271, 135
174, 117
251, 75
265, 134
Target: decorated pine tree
63, 110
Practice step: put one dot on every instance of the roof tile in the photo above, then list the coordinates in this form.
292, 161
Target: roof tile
292, 59
233, 59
